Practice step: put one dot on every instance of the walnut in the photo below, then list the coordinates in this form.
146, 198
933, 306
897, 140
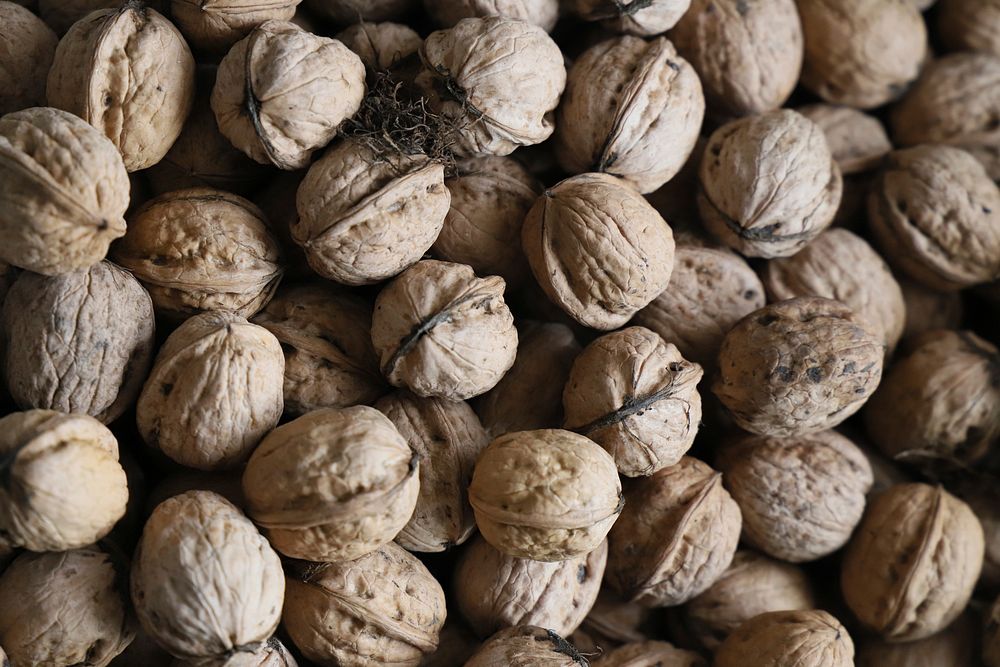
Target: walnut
447, 13
598, 249
803, 638
768, 184
278, 114
81, 342
970, 25
527, 646
441, 331
857, 140
213, 393
380, 45
638, 17
28, 46
927, 310
215, 25
63, 192
910, 569
632, 109
547, 495
351, 11
650, 654
797, 367
677, 535
956, 646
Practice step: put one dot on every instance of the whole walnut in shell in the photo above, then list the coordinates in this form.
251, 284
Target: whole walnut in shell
650, 654
215, 390
970, 25
441, 331
910, 569
527, 646
380, 45
857, 140
350, 11
638, 17
547, 495
215, 25
955, 646
927, 309
768, 184
810, 638
797, 367
28, 46
447, 13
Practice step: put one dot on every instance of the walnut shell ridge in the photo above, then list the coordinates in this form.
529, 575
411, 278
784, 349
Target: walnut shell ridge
809, 638
527, 646
29, 47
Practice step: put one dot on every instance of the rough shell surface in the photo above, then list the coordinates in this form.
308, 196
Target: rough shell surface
215, 25
638, 17
857, 140
380, 45
28, 46
526, 646
650, 654
447, 13
803, 638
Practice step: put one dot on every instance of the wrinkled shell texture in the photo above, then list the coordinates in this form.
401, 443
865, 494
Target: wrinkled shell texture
278, 113
548, 495
215, 25
382, 609
676, 536
797, 367
526, 646
27, 46
910, 569
803, 638
349, 11
970, 25
927, 309
650, 654
598, 250
441, 331
858, 141
380, 45
638, 17
632, 109
200, 558
447, 13
63, 192
333, 484
215, 390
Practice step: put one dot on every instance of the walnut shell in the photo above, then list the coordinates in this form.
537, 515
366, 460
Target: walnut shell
803, 638
797, 367
351, 11
910, 569
768, 184
970, 25
927, 309
527, 646
215, 25
956, 646
857, 140
28, 46
447, 13
213, 393
638, 17
650, 654
380, 45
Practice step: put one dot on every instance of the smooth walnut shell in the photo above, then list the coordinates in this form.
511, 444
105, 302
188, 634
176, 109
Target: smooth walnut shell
956, 646
28, 46
383, 608
857, 140
547, 495
351, 11
768, 184
447, 13
441, 331
910, 569
802, 638
527, 646
927, 309
638, 17
380, 45
797, 367
970, 25
650, 654
215, 25
213, 393
63, 192
636, 396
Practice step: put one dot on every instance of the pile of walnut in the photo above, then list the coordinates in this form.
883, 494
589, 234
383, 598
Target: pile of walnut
500, 333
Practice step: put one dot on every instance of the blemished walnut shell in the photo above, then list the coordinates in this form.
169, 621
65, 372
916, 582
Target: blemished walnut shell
332, 485
214, 26
547, 495
380, 45
927, 309
497, 80
74, 458
215, 390
29, 47
278, 114
638, 17
63, 192
935, 213
748, 55
598, 249
81, 342
956, 646
363, 217
346, 12
441, 331
383, 608
861, 53
66, 608
970, 25
447, 13
637, 397
526, 646
129, 73
857, 140
632, 109
797, 367
800, 498
910, 568
270, 654
200, 558
768, 184
200, 250
650, 654
810, 638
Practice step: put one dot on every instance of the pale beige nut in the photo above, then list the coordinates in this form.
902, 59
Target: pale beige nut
200, 558
633, 109
272, 653
910, 569
215, 390
527, 646
29, 47
60, 15
447, 13
351, 11
803, 638
215, 25
548, 495
927, 309
650, 654
797, 367
970, 25
857, 140
638, 17
64, 486
381, 45
956, 646
768, 184
81, 342
279, 114
441, 331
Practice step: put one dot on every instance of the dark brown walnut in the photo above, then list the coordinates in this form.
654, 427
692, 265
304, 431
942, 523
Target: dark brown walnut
63, 192
677, 535
970, 25
28, 46
365, 217
650, 654
215, 25
861, 53
351, 11
857, 140
383, 608
935, 213
598, 249
797, 367
956, 646
380, 45
768, 184
456, 644
333, 484
272, 653
633, 109
200, 250
447, 13
927, 309
748, 55
803, 638
910, 569
547, 495
215, 390
636, 396
638, 17
527, 646
441, 331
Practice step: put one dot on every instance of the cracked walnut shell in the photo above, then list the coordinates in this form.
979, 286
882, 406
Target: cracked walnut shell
28, 46
809, 638
638, 17
215, 25
527, 646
